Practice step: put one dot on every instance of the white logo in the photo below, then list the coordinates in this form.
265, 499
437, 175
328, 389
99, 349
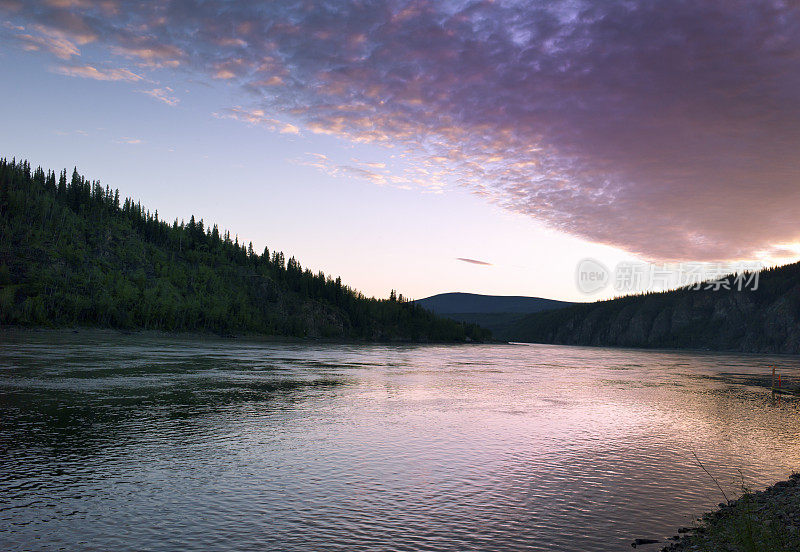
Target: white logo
591, 276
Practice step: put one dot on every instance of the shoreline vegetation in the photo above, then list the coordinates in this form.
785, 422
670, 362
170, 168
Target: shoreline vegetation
762, 320
89, 332
73, 253
760, 521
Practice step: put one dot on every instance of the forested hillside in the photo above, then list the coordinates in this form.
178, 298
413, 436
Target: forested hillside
72, 253
766, 319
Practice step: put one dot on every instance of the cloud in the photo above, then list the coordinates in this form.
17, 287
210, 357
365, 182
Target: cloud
334, 169
66, 133
149, 54
403, 178
224, 74
89, 72
473, 261
11, 5
129, 140
669, 129
371, 164
163, 95
48, 40
257, 117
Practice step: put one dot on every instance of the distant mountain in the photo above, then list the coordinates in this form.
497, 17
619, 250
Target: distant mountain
459, 303
73, 254
497, 313
765, 320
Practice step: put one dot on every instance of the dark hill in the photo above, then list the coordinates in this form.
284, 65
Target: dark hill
459, 303
497, 313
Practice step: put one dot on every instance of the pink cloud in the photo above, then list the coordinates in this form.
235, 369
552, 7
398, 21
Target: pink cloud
258, 117
163, 95
90, 72
48, 40
128, 140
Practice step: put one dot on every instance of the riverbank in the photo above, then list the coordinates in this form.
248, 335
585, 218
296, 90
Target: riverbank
97, 331
767, 521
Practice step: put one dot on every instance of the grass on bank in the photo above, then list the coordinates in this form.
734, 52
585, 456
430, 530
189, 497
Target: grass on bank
763, 521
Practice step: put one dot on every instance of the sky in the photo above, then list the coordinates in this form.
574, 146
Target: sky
484, 147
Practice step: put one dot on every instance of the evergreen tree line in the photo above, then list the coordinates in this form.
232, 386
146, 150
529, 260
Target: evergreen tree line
73, 253
765, 319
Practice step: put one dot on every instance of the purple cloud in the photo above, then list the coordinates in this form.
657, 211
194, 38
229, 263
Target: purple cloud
670, 129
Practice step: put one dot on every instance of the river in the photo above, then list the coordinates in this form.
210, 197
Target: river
136, 442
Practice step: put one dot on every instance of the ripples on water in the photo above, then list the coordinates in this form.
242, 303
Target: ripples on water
133, 443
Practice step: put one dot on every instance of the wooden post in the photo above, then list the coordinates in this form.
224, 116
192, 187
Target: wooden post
772, 384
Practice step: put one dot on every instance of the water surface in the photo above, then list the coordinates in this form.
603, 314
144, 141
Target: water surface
153, 443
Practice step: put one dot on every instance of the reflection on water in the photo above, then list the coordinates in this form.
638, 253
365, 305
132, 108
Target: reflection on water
138, 443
